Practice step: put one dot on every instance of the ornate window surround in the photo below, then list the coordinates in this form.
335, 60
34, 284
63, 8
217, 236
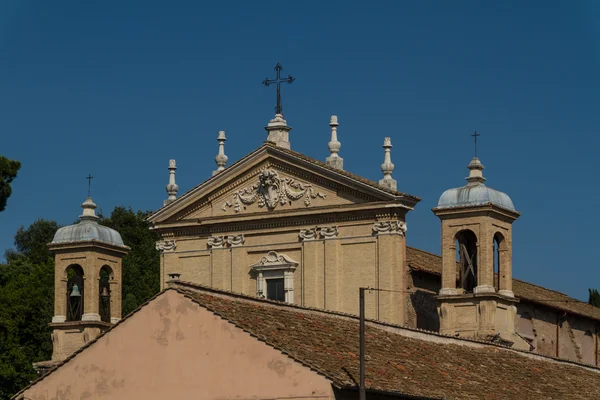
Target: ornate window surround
275, 266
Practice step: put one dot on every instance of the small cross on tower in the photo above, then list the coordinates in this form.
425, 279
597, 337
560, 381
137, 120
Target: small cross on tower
89, 178
475, 135
278, 80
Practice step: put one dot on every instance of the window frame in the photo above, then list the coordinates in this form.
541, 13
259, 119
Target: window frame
275, 266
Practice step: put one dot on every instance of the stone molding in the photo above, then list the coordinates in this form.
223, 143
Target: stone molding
271, 190
328, 232
216, 242
390, 227
325, 232
166, 245
308, 234
236, 240
220, 242
274, 259
275, 265
352, 215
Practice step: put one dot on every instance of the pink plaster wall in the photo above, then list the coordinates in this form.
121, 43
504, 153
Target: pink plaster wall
173, 348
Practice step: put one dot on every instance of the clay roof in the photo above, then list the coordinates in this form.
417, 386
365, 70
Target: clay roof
423, 261
399, 360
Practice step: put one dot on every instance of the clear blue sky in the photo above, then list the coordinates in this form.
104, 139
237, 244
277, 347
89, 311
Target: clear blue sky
117, 90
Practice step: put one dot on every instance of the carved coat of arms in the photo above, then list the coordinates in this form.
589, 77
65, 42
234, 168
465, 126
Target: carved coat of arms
271, 190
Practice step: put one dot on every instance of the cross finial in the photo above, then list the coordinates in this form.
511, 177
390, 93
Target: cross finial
278, 80
475, 135
89, 178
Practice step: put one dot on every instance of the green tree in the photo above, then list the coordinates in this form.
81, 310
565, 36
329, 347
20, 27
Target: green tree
27, 299
31, 243
141, 267
594, 297
27, 290
8, 172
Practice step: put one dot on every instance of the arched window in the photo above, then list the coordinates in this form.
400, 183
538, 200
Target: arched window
75, 291
498, 239
106, 275
587, 348
466, 249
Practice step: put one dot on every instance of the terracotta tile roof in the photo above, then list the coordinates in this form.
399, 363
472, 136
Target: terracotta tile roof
423, 261
400, 361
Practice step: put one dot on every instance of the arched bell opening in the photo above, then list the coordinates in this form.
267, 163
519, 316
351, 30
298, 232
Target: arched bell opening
105, 277
75, 292
500, 263
466, 257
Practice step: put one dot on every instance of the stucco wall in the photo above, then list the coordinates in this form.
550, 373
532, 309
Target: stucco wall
173, 348
559, 334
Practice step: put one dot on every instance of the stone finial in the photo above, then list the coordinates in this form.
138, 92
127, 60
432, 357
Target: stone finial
172, 187
387, 167
475, 172
89, 212
221, 158
278, 132
334, 160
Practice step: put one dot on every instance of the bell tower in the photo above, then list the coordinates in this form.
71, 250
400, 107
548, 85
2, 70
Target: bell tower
87, 282
476, 298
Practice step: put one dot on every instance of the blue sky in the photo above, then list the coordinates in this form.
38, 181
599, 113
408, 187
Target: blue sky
116, 89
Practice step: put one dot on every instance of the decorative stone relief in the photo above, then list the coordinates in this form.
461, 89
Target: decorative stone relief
396, 227
166, 245
308, 234
271, 190
236, 240
216, 242
273, 258
328, 232
275, 266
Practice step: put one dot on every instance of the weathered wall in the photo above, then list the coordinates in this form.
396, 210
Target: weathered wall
558, 334
330, 266
195, 353
540, 329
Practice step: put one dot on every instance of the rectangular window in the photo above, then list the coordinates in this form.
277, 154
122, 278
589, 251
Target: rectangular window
275, 289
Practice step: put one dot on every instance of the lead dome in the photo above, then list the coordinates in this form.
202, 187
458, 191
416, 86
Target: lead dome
475, 192
88, 229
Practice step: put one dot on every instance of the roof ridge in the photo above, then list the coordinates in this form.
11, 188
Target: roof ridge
423, 251
378, 324
341, 171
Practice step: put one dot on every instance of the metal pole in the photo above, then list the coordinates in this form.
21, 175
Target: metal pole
361, 387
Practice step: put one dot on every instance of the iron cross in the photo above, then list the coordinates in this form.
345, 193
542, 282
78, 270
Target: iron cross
278, 80
89, 178
474, 135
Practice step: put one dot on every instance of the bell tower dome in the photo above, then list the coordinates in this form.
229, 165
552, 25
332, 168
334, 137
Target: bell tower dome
87, 282
476, 298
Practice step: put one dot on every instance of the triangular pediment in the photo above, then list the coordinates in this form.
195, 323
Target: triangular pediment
272, 179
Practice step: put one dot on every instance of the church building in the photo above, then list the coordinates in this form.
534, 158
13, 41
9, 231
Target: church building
260, 271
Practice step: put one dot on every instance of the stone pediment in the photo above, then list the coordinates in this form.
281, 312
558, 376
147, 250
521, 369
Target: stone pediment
272, 180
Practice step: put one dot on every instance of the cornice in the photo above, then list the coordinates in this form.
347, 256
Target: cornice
293, 221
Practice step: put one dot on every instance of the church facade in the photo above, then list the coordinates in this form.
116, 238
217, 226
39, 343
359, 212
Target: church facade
260, 272
280, 225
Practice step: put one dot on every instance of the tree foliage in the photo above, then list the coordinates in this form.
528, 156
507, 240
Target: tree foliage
27, 299
27, 291
594, 297
8, 172
141, 267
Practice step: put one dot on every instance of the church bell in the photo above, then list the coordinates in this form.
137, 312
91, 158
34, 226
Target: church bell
75, 291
